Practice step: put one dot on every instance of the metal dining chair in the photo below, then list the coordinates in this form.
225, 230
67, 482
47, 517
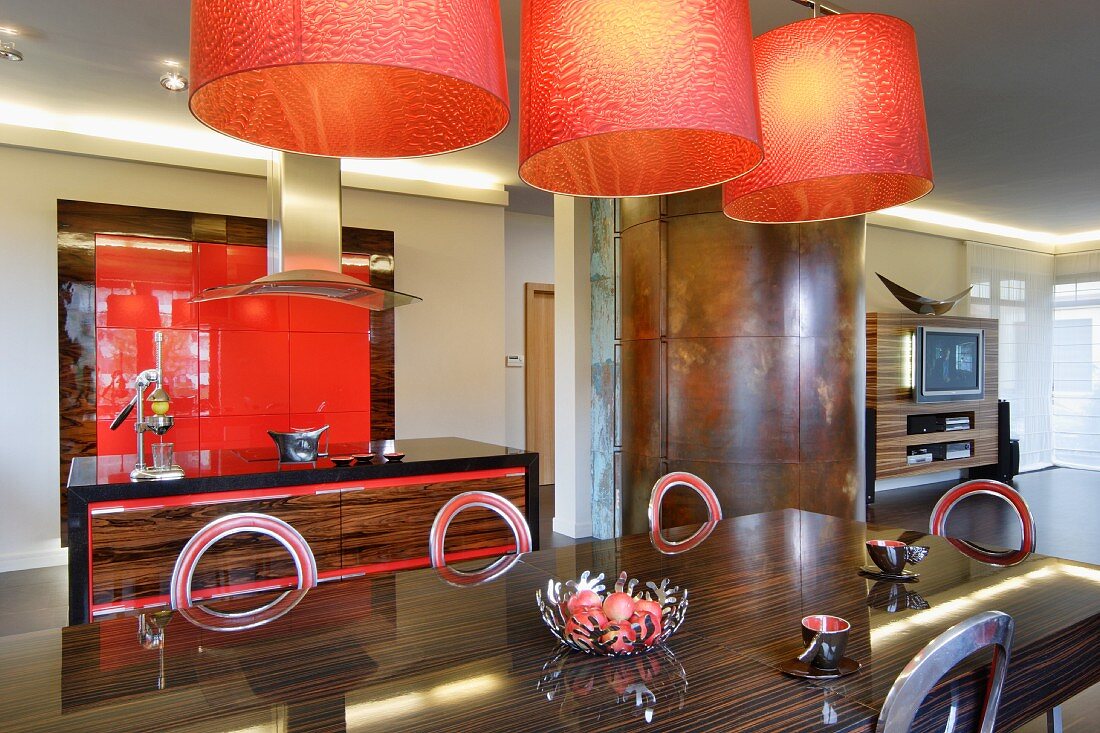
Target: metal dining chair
507, 511
938, 657
1002, 558
660, 489
938, 523
183, 574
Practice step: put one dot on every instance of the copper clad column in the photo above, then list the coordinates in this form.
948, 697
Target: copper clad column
741, 359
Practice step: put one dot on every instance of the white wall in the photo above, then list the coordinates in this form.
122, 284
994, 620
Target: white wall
449, 364
450, 374
528, 258
924, 263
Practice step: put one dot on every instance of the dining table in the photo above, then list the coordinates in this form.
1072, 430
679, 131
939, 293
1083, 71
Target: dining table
425, 650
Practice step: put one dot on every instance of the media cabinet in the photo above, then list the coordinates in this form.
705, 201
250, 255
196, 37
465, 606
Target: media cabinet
890, 343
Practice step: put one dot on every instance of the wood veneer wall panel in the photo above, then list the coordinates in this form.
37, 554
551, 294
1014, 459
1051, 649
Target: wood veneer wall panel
392, 523
889, 377
760, 374
75, 350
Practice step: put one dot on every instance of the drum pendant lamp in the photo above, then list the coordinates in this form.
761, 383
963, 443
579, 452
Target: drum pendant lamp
359, 78
842, 112
636, 97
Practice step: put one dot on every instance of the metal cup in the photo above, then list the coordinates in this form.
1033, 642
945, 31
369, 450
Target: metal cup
163, 455
891, 556
825, 638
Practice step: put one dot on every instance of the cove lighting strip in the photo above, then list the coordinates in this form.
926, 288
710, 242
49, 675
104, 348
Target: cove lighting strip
196, 138
929, 216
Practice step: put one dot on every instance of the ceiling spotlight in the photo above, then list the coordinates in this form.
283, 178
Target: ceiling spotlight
8, 52
173, 81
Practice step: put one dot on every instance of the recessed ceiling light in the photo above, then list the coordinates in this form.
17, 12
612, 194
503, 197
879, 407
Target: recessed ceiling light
173, 81
8, 52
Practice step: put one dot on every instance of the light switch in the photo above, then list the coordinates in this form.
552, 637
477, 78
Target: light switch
513, 360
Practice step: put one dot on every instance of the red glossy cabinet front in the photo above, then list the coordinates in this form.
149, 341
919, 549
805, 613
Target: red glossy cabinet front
234, 369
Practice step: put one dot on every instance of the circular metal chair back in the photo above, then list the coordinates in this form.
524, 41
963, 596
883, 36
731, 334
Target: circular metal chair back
665, 484
183, 573
985, 629
938, 523
507, 511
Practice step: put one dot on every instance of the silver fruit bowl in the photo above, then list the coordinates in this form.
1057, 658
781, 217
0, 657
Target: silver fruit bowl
591, 638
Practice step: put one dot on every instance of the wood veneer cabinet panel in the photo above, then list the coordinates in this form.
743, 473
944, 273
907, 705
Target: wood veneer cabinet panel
890, 392
392, 523
134, 551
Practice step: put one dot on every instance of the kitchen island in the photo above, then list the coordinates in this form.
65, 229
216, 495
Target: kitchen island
124, 537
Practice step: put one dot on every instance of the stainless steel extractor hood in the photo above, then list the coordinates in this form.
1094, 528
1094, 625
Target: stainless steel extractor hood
304, 239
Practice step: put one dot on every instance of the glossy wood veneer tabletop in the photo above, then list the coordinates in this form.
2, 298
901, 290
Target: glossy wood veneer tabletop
755, 577
409, 652
402, 652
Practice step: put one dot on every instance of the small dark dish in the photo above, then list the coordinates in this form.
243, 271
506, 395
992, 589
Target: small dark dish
905, 576
804, 670
363, 457
394, 457
341, 461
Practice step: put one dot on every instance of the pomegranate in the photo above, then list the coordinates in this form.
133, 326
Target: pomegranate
583, 627
651, 607
583, 599
646, 626
619, 606
618, 638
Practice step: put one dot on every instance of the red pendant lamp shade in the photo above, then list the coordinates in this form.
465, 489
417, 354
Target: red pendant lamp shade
636, 97
357, 78
842, 113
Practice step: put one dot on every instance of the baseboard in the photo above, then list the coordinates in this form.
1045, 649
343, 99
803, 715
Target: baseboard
901, 482
571, 529
30, 560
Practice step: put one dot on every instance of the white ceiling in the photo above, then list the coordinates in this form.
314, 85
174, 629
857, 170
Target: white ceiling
1012, 91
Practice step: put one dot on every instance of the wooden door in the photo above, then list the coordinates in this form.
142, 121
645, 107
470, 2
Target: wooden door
540, 376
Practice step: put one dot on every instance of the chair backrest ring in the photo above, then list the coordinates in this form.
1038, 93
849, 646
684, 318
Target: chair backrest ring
937, 524
183, 574
507, 511
660, 489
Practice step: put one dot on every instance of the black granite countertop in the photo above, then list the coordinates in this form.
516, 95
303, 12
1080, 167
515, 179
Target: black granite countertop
95, 478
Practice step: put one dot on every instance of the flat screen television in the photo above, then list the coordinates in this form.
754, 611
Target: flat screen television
949, 364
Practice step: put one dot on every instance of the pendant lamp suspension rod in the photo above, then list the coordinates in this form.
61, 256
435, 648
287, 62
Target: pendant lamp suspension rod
821, 8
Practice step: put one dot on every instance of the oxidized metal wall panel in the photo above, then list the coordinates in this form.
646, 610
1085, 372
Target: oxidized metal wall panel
754, 378
732, 400
727, 281
637, 210
642, 395
640, 287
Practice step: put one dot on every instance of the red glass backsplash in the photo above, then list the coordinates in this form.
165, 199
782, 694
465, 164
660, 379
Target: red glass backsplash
234, 369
